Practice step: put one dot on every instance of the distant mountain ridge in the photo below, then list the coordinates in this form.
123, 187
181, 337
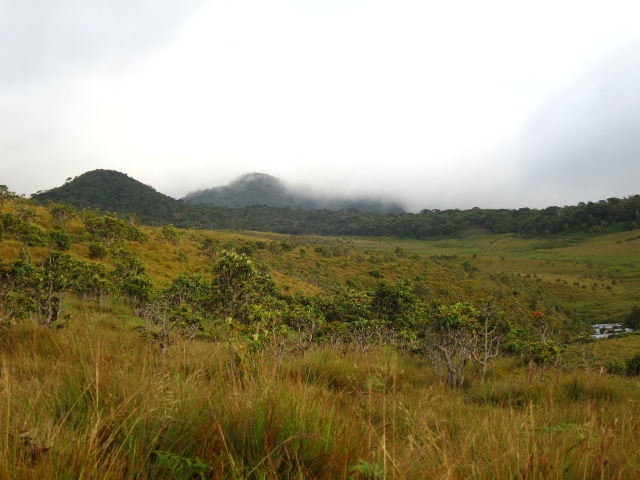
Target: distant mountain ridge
262, 189
112, 191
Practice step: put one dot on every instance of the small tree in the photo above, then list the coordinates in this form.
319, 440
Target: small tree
130, 279
61, 212
491, 331
37, 290
161, 321
61, 239
111, 230
586, 341
306, 322
239, 283
15, 302
97, 251
172, 234
209, 247
7, 196
452, 331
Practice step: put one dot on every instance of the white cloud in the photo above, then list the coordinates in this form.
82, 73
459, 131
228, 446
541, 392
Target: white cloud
425, 100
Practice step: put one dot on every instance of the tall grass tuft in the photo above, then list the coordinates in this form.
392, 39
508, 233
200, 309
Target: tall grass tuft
93, 401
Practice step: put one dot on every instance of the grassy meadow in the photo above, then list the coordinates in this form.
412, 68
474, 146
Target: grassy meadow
596, 276
92, 400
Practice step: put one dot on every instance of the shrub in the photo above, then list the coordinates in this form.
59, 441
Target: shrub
247, 248
61, 240
633, 319
172, 234
615, 367
375, 274
97, 251
633, 366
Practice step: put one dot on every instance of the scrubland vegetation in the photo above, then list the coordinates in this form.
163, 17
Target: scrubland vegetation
138, 352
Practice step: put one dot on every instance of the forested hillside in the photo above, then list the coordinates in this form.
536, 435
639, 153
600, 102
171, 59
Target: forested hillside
116, 192
261, 189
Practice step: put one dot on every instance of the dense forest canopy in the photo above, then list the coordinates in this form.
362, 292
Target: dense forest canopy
116, 192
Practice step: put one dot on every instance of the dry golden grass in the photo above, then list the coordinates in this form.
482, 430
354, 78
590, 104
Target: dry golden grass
93, 401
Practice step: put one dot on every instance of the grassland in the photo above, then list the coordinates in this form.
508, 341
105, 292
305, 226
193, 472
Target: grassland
93, 400
598, 277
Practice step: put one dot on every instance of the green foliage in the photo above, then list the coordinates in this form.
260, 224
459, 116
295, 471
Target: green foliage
171, 234
239, 283
97, 251
615, 367
247, 248
192, 291
109, 229
304, 317
396, 306
375, 274
161, 320
366, 470
61, 212
94, 282
130, 279
323, 250
15, 301
114, 191
179, 467
7, 196
22, 229
633, 366
633, 319
61, 239
37, 290
209, 247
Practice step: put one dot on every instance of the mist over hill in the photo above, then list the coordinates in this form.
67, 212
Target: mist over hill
262, 189
112, 191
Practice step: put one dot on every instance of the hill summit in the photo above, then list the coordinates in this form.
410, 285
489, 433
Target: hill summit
109, 190
263, 189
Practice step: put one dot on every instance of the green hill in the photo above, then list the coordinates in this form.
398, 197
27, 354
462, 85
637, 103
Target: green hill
262, 189
108, 190
111, 191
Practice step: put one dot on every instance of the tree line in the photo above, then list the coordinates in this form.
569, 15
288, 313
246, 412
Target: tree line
116, 192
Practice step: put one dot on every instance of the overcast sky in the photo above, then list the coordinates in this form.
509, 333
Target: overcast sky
443, 104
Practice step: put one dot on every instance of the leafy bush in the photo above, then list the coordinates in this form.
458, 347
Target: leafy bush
247, 248
111, 230
633, 319
375, 274
61, 212
322, 250
171, 234
615, 367
97, 251
633, 366
61, 239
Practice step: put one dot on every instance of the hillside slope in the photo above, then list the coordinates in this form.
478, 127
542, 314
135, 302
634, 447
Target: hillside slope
262, 189
108, 190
